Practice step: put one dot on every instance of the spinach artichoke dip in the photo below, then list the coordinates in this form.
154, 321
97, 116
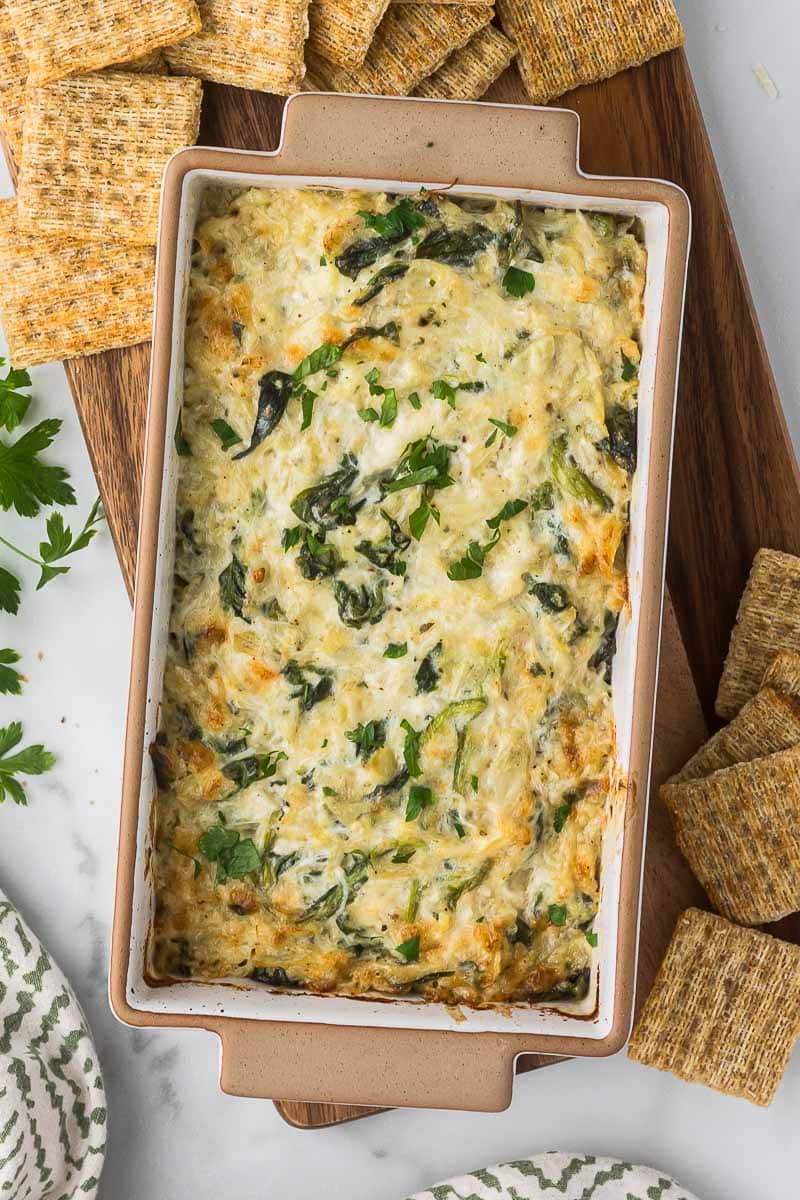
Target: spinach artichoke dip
386, 747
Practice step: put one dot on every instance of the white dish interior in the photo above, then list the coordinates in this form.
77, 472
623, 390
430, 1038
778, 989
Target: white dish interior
591, 1018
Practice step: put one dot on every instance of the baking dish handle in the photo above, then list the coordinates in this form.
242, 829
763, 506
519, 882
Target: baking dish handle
381, 1068
440, 141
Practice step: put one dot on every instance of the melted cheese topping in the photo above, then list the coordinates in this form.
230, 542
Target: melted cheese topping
385, 760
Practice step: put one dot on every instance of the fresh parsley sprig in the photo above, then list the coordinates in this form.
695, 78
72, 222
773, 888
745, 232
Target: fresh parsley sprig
33, 760
59, 544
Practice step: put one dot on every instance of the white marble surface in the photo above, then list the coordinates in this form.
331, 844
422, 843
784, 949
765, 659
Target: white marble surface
172, 1134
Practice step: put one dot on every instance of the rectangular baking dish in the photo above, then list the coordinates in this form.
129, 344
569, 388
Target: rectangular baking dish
298, 1046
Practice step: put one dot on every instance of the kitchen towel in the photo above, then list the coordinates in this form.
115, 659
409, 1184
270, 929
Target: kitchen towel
52, 1103
567, 1176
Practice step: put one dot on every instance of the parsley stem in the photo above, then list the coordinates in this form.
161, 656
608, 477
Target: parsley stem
37, 562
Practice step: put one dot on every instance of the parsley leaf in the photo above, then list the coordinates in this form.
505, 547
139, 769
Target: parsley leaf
396, 650
504, 426
471, 565
33, 760
557, 914
419, 798
591, 937
442, 390
318, 360
367, 738
411, 749
510, 509
419, 518
10, 680
388, 409
518, 282
369, 414
13, 402
560, 817
491, 439
628, 368
9, 591
480, 358
307, 404
290, 537
404, 852
60, 542
234, 855
26, 483
227, 436
398, 222
414, 400
410, 949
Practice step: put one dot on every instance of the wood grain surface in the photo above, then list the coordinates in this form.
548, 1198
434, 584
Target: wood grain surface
736, 484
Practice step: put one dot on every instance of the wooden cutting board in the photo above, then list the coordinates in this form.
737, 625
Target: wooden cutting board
736, 484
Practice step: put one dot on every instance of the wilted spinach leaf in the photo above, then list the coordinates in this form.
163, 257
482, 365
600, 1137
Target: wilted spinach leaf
274, 390
308, 693
327, 504
455, 247
379, 281
428, 675
233, 586
621, 441
359, 606
603, 656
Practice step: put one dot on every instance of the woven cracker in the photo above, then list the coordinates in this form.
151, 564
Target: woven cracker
60, 297
461, 3
152, 63
783, 674
341, 31
63, 37
254, 44
768, 621
724, 1010
564, 43
468, 72
94, 151
766, 724
739, 829
13, 70
412, 41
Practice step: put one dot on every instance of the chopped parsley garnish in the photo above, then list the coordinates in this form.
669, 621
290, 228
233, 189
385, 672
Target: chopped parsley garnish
411, 749
442, 390
318, 360
367, 738
410, 949
557, 914
419, 798
234, 855
398, 222
471, 565
414, 400
628, 368
291, 537
386, 417
418, 520
396, 650
227, 436
504, 426
404, 852
307, 399
491, 439
422, 462
510, 509
474, 781
591, 937
329, 791
517, 282
323, 262
480, 358
369, 414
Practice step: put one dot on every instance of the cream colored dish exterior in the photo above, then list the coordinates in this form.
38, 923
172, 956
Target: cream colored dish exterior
297, 1046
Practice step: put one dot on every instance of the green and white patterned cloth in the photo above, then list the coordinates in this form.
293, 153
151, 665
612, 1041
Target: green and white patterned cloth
52, 1103
553, 1175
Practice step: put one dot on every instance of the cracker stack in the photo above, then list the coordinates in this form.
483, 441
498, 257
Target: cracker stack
717, 1014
